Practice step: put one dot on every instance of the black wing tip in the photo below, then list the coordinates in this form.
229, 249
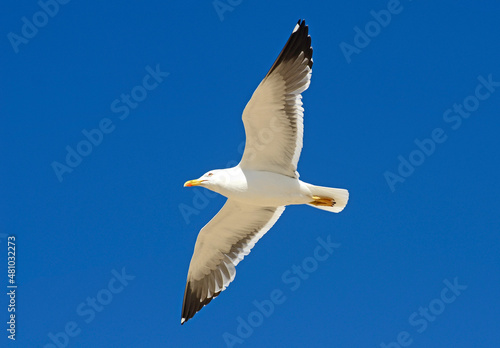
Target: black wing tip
304, 40
301, 23
299, 41
192, 303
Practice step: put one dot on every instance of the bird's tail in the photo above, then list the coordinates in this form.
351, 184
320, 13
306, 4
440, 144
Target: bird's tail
329, 199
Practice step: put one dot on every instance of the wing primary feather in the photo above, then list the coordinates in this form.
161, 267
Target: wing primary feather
298, 42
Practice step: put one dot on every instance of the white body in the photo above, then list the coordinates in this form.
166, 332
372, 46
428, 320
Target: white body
262, 188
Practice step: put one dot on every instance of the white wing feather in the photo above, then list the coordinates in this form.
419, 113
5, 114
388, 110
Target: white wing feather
273, 117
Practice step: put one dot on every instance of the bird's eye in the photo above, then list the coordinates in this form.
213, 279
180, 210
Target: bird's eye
210, 174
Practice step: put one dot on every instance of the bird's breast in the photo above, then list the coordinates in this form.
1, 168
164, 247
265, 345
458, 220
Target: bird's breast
267, 189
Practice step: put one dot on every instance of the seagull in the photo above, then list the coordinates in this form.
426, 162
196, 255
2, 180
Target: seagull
264, 182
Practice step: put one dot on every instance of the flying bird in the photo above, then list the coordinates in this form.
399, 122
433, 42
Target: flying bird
264, 182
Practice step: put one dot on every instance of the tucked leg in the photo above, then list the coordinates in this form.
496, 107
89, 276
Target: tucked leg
323, 201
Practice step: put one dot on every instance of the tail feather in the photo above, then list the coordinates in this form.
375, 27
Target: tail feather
339, 197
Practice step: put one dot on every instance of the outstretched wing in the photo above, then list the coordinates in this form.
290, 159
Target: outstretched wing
273, 117
220, 246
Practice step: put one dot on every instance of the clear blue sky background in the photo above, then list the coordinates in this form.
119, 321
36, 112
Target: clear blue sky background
120, 207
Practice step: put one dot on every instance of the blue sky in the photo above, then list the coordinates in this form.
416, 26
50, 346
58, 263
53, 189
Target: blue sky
403, 111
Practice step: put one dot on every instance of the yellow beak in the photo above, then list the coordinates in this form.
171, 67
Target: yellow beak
190, 183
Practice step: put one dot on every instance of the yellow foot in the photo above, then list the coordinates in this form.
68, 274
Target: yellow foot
323, 201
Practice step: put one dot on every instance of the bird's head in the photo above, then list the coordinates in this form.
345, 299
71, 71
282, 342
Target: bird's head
208, 180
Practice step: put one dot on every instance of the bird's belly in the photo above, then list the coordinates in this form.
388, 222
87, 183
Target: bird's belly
271, 189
